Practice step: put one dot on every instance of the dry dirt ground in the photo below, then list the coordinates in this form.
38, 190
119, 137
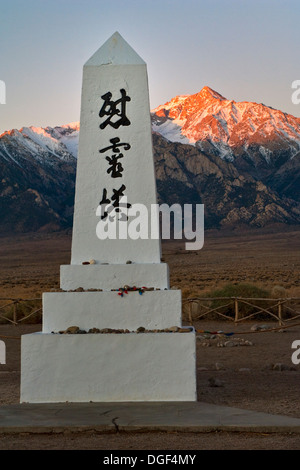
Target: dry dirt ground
30, 264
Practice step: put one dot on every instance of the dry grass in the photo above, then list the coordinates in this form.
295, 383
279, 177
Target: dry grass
264, 260
29, 264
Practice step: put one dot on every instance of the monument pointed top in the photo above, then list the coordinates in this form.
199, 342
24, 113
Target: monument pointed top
115, 51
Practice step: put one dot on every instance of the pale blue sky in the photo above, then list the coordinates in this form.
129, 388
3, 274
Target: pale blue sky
244, 49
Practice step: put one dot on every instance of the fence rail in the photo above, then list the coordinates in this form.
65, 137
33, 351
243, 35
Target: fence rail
281, 309
13, 304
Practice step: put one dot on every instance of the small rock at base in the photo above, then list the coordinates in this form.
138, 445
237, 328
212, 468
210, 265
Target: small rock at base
129, 262
230, 344
72, 330
257, 327
94, 330
173, 328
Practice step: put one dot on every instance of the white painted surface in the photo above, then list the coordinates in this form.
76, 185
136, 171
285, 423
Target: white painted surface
2, 352
114, 276
115, 66
108, 368
152, 310
111, 367
115, 51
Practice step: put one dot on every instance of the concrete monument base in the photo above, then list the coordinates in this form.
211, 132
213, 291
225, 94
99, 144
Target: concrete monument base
152, 310
113, 276
108, 367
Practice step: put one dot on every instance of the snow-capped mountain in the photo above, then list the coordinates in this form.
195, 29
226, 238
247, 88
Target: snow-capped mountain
38, 142
260, 135
37, 181
241, 160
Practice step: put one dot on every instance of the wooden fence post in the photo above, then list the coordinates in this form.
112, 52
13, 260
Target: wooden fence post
190, 313
280, 313
236, 310
15, 316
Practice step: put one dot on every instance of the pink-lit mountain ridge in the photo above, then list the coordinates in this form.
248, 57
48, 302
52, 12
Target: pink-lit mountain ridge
261, 136
241, 160
39, 142
232, 130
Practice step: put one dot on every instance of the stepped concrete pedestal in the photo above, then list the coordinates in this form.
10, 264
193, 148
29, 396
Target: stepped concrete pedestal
151, 310
115, 159
113, 276
108, 367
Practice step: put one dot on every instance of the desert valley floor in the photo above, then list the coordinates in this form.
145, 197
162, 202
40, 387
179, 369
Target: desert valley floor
242, 376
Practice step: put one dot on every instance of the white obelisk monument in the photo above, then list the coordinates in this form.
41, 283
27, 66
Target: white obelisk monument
115, 171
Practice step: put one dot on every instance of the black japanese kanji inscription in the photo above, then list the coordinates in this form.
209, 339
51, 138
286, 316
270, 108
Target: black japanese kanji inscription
115, 203
115, 167
115, 145
114, 109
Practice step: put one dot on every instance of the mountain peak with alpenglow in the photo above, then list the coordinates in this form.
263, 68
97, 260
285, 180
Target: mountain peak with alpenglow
226, 128
209, 93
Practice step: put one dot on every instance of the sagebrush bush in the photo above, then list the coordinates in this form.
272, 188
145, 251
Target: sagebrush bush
240, 290
243, 290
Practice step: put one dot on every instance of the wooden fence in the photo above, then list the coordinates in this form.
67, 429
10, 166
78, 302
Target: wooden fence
14, 316
281, 309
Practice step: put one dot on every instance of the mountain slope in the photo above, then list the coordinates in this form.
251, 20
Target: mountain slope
253, 136
37, 178
241, 160
187, 175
